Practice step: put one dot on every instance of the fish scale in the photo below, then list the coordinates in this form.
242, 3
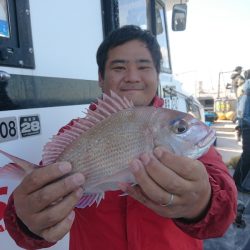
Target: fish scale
102, 144
122, 139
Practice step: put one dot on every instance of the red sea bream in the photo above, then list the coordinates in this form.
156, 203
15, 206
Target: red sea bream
102, 144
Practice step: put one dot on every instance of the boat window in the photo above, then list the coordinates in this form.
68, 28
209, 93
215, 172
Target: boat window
148, 14
193, 108
134, 12
4, 19
137, 12
162, 37
16, 49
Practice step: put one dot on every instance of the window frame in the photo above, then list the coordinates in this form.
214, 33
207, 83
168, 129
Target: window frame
165, 70
17, 51
110, 20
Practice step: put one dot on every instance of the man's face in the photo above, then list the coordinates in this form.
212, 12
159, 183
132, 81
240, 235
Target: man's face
130, 72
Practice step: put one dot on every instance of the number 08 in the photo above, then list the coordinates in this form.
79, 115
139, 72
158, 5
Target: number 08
7, 129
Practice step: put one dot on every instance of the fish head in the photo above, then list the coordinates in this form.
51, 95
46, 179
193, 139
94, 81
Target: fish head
182, 134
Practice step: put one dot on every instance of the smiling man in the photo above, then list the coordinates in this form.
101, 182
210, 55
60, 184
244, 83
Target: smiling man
178, 201
130, 72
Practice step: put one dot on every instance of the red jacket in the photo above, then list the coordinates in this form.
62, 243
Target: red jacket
120, 222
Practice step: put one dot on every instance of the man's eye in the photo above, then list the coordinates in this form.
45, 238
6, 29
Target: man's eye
118, 68
144, 67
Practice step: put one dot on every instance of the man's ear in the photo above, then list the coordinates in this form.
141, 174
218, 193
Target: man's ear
101, 80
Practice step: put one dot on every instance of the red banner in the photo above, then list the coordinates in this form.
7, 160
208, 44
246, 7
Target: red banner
3, 191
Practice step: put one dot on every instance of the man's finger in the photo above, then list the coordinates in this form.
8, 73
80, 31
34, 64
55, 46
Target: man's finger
54, 191
182, 166
42, 176
164, 176
56, 213
57, 232
150, 187
137, 193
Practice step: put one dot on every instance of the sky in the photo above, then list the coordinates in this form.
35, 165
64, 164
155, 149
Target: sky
216, 40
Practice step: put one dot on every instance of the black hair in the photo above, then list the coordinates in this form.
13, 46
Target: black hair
122, 35
238, 69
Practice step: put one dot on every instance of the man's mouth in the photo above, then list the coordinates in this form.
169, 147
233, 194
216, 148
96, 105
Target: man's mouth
127, 90
132, 87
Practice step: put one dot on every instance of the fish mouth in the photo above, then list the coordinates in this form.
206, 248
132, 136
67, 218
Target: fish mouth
208, 139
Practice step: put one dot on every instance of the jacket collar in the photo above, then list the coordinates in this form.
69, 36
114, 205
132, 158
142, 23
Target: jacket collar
156, 102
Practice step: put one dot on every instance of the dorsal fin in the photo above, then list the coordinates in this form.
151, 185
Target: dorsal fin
104, 108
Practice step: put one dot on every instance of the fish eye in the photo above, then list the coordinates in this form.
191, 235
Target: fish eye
180, 127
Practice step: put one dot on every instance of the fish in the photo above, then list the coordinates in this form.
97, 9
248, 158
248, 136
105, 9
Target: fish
103, 143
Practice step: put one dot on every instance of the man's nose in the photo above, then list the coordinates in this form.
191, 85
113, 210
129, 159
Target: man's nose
132, 75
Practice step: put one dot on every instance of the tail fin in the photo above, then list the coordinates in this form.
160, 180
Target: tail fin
12, 171
23, 165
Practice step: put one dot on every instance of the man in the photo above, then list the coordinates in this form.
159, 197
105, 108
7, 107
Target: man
237, 81
237, 236
241, 175
177, 200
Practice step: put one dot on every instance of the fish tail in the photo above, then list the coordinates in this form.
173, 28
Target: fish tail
12, 171
19, 169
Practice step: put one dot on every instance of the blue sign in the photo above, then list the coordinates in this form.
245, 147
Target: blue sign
4, 28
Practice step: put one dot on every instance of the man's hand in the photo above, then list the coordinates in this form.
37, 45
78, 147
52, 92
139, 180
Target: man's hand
45, 199
172, 186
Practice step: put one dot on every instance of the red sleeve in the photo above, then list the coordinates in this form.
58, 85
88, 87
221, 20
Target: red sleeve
16, 229
19, 232
223, 205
